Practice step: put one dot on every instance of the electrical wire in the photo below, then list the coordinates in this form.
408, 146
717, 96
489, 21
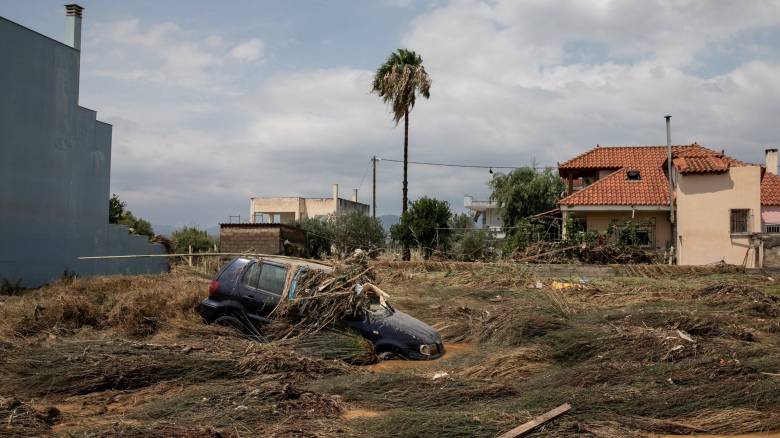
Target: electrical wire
473, 166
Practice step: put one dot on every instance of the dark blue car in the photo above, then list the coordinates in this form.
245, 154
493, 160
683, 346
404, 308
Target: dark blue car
247, 289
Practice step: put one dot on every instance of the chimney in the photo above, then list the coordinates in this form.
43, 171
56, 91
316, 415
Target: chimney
354, 195
73, 25
771, 161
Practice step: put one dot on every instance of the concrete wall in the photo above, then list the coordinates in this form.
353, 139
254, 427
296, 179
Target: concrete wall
55, 161
261, 238
770, 214
601, 220
703, 216
294, 208
771, 252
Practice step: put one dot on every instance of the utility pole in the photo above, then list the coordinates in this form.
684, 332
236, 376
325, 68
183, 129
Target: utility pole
671, 185
373, 197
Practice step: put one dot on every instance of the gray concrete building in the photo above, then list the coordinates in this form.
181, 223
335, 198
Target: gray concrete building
55, 164
288, 209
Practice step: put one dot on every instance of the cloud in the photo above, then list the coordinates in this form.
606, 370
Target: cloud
197, 130
250, 50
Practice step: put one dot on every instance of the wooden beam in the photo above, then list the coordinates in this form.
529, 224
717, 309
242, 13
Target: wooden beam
536, 421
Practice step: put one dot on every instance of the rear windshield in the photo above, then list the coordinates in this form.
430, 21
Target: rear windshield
272, 279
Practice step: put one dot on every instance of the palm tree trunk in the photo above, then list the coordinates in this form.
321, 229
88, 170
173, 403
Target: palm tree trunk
406, 252
406, 162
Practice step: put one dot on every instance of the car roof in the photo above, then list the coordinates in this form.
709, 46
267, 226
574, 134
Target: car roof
293, 261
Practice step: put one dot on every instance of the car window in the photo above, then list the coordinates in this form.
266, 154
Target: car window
252, 275
272, 279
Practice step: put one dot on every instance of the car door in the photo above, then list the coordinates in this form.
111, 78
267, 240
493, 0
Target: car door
248, 289
273, 278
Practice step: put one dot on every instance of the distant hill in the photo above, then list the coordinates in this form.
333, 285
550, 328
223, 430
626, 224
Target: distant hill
388, 220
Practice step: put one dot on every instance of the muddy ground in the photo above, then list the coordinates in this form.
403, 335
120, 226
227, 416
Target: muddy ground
652, 353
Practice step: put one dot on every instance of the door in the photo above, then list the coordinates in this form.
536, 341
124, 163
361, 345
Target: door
248, 290
273, 279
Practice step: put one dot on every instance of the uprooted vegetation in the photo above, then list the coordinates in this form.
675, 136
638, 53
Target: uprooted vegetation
657, 352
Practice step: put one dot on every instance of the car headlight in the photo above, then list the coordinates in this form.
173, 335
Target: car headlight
428, 349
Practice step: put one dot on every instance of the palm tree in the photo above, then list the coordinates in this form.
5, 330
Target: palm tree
398, 82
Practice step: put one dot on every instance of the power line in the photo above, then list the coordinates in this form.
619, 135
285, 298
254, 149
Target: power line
472, 166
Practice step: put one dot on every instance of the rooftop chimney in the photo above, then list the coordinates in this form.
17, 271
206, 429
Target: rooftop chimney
336, 198
354, 195
771, 161
73, 25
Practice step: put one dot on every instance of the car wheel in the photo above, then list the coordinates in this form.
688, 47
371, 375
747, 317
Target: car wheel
231, 321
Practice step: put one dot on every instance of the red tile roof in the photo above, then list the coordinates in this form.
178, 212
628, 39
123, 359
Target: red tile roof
653, 187
770, 189
709, 164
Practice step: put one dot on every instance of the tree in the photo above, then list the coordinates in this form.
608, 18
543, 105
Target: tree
197, 238
119, 214
422, 225
319, 236
524, 192
398, 82
355, 230
461, 223
137, 225
116, 208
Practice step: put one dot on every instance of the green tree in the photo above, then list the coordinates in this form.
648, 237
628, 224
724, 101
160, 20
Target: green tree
524, 192
398, 82
119, 214
355, 230
460, 223
421, 225
116, 208
136, 225
200, 240
319, 236
473, 245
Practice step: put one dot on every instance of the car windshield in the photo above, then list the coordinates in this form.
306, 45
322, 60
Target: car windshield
379, 308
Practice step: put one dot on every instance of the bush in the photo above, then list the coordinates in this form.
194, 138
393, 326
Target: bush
199, 239
356, 230
472, 245
118, 214
424, 225
319, 236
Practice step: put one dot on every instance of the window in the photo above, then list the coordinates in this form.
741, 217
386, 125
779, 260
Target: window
635, 236
252, 275
633, 175
272, 279
739, 221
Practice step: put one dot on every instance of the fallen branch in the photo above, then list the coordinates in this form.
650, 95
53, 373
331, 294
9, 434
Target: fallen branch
536, 421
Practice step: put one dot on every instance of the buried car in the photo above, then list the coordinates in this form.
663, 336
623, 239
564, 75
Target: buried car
247, 289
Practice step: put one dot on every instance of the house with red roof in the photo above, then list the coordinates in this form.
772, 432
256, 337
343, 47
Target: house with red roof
713, 209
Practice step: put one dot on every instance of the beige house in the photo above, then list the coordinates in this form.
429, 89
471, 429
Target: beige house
286, 210
724, 210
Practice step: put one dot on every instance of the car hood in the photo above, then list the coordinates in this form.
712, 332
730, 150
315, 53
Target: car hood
398, 328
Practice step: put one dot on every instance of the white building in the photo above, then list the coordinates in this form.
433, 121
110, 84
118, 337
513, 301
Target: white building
288, 209
487, 214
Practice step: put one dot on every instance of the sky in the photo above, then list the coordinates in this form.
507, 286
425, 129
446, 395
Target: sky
216, 102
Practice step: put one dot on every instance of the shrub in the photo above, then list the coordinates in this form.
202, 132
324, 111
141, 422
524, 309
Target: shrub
424, 225
319, 236
355, 230
199, 239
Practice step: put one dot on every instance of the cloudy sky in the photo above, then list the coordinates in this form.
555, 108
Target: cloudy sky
214, 102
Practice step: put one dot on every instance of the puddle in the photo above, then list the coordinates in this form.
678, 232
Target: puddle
450, 350
352, 414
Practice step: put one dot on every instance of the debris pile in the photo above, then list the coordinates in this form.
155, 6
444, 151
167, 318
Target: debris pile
323, 297
586, 253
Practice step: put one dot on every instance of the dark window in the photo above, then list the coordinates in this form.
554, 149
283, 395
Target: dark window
635, 236
739, 221
633, 175
252, 275
272, 279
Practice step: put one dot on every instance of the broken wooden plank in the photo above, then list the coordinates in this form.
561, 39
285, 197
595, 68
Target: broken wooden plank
536, 421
